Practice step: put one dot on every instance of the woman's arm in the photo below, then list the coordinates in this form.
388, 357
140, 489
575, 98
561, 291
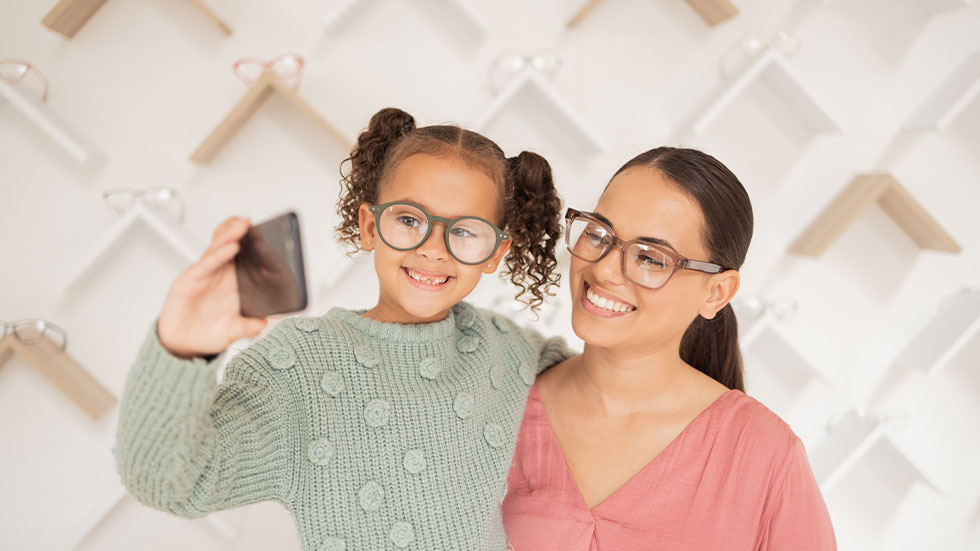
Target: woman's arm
187, 445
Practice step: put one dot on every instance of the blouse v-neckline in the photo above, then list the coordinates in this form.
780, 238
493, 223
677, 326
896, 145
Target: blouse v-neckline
645, 471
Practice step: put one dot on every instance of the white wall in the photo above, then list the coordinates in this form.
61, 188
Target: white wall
147, 81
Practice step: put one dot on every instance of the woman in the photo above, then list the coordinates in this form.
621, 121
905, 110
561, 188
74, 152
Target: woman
646, 440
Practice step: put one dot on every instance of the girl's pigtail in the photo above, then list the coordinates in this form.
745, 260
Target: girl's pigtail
359, 183
533, 219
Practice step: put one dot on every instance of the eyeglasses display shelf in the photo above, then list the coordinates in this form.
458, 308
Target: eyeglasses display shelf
529, 82
51, 124
62, 370
186, 246
267, 84
863, 191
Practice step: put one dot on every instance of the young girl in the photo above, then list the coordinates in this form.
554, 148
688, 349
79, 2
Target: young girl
645, 440
387, 428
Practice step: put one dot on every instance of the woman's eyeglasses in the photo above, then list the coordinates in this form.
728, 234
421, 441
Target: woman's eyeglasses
404, 226
33, 331
287, 67
644, 263
15, 70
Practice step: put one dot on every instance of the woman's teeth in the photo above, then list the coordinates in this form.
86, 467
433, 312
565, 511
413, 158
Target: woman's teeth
426, 279
607, 304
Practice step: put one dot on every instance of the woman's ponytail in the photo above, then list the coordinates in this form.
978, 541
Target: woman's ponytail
366, 164
711, 346
532, 216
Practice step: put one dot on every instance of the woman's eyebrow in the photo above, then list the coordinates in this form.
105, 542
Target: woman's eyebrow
654, 240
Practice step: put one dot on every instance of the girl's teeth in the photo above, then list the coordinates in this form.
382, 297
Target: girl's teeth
606, 304
427, 280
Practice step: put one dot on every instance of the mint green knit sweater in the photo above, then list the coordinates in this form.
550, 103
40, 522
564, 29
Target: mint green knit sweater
373, 435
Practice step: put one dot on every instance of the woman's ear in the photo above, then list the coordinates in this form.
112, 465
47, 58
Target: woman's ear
721, 290
366, 225
490, 266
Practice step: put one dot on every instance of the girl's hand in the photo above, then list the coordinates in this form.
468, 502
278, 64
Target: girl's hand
202, 313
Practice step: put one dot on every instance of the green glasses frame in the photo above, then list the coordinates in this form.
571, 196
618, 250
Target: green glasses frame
377, 210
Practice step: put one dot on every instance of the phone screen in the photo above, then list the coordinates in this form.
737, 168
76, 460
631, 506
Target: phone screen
269, 267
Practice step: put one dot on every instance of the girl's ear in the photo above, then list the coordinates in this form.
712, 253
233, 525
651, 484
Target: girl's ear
367, 227
490, 266
722, 288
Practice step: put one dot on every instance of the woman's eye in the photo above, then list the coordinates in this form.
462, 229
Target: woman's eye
651, 262
593, 236
409, 221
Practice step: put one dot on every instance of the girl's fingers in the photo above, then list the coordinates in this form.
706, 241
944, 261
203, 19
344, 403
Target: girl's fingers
232, 229
214, 260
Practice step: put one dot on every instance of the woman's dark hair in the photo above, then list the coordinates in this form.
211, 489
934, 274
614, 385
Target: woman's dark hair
529, 207
711, 346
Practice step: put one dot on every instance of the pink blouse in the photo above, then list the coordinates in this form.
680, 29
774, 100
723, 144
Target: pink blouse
736, 478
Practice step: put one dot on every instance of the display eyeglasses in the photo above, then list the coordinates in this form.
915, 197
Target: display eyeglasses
162, 200
508, 65
404, 226
15, 71
644, 263
781, 309
287, 67
33, 331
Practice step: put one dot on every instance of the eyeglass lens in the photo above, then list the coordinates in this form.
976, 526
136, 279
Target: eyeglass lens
644, 265
405, 227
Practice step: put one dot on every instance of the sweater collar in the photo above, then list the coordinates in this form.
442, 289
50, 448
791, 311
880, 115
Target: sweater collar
402, 332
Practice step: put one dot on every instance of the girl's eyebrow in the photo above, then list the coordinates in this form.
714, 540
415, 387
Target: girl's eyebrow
654, 240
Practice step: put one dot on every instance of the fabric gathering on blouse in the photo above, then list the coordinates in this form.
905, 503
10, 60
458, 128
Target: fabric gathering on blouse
735, 479
373, 435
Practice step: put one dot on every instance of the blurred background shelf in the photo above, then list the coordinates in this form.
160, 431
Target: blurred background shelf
885, 191
950, 99
849, 442
51, 124
185, 245
64, 372
945, 334
771, 69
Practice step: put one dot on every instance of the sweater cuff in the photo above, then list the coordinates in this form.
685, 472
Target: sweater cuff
162, 367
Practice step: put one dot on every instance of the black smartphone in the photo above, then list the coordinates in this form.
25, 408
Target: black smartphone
269, 267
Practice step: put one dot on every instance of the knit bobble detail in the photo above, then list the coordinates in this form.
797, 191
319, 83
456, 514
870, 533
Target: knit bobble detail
401, 534
366, 356
333, 544
467, 319
332, 383
500, 324
468, 343
321, 452
429, 368
414, 461
494, 435
377, 412
371, 496
308, 325
463, 405
528, 373
281, 358
496, 375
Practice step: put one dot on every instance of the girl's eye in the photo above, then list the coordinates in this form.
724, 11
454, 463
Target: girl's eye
462, 233
409, 221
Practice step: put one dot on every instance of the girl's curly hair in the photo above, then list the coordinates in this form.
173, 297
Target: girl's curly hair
529, 207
